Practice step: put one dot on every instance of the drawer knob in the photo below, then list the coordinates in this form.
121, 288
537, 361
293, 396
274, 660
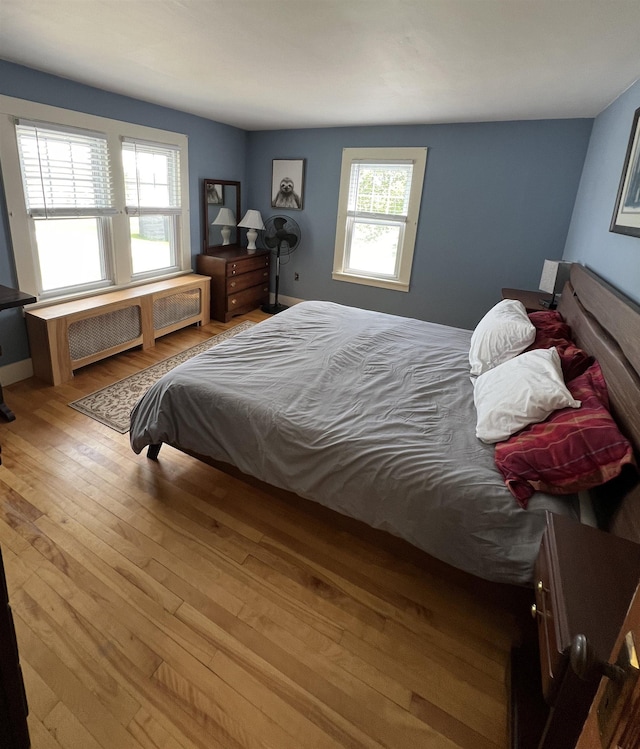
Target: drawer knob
539, 586
265, 274
233, 284
234, 301
534, 610
586, 664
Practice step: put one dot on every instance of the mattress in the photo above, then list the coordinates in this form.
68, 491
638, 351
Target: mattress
369, 414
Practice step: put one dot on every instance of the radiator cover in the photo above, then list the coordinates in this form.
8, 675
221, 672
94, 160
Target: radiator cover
101, 332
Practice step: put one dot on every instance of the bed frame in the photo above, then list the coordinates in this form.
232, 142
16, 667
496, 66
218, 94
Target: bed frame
607, 325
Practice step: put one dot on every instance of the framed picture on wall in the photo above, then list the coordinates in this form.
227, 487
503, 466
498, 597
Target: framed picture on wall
287, 184
626, 216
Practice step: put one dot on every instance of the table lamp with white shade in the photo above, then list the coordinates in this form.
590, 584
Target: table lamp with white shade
252, 220
226, 219
555, 273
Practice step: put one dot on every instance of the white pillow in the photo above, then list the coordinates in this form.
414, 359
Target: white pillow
504, 332
522, 391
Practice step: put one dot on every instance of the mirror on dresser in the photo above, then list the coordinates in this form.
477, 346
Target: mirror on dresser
221, 212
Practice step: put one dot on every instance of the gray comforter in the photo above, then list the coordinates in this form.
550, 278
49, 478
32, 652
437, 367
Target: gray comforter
366, 413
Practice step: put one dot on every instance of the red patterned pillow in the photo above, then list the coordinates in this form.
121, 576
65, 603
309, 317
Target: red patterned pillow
572, 450
573, 360
551, 330
550, 324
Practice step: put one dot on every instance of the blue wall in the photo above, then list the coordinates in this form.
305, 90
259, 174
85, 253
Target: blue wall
497, 201
615, 257
215, 150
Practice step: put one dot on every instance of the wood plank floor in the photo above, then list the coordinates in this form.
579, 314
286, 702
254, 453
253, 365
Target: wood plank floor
169, 606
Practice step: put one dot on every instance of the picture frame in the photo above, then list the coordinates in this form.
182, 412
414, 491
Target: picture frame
215, 193
626, 215
287, 184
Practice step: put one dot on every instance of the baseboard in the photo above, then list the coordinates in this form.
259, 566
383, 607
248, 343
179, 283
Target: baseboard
20, 370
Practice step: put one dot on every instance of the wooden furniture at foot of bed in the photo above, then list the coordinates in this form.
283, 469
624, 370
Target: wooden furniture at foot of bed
64, 337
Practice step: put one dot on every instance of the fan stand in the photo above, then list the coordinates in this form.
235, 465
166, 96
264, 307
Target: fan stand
273, 309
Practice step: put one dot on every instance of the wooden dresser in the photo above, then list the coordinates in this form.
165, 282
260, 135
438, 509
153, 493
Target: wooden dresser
239, 280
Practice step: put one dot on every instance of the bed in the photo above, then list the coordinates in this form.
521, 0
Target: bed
372, 415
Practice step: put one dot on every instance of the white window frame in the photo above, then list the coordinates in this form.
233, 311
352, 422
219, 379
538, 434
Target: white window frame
404, 263
21, 225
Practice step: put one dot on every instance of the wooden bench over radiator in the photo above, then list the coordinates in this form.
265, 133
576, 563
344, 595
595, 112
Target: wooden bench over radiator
64, 337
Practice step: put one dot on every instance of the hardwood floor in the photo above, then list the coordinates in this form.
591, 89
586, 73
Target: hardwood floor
169, 606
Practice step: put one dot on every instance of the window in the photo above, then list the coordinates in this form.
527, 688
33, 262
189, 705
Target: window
151, 176
380, 193
68, 195
93, 203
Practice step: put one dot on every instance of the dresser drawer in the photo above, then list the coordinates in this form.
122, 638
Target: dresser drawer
258, 277
250, 298
247, 264
553, 661
239, 280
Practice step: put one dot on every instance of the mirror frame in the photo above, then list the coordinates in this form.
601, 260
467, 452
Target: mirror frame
205, 213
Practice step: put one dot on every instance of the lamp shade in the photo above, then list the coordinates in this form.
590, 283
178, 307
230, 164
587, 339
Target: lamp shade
252, 220
555, 273
225, 217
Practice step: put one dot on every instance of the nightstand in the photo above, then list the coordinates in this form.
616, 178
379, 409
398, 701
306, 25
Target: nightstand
239, 280
530, 299
584, 582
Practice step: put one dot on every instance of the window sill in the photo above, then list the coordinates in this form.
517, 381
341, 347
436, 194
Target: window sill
380, 283
50, 301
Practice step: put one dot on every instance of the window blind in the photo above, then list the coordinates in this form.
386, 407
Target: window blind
380, 190
152, 177
65, 171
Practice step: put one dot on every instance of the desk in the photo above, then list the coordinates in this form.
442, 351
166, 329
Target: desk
11, 298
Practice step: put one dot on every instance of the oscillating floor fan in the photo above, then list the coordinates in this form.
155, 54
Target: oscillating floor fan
281, 235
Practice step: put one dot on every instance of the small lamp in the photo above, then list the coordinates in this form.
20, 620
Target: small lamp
226, 219
252, 220
555, 274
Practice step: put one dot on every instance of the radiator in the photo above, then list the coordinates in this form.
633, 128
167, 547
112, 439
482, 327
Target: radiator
169, 310
70, 335
101, 332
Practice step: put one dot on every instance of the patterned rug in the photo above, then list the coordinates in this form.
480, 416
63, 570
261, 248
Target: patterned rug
112, 404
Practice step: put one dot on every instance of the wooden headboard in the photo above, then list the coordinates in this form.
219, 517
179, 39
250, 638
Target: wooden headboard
606, 323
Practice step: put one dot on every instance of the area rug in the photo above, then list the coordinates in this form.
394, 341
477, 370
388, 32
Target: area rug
112, 404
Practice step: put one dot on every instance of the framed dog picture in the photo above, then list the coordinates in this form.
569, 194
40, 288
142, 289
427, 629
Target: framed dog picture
287, 184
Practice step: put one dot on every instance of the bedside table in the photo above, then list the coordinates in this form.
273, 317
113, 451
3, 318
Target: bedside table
584, 582
239, 280
530, 299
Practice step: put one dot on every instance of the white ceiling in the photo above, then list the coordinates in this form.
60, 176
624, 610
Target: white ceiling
270, 64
